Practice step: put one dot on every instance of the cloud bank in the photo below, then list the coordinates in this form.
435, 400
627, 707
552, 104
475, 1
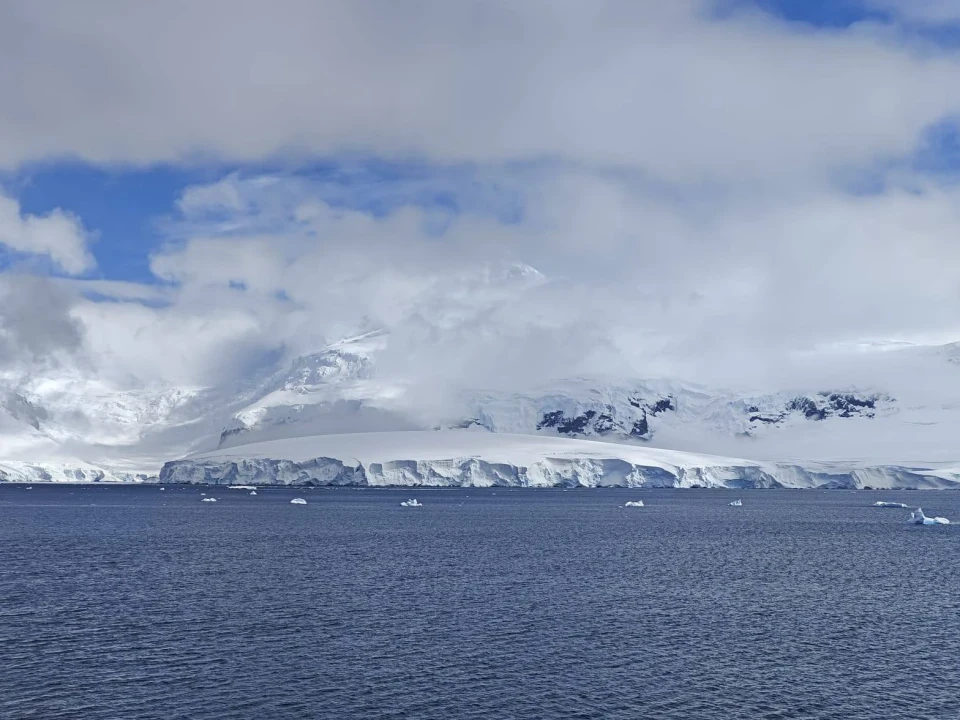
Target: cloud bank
703, 194
666, 87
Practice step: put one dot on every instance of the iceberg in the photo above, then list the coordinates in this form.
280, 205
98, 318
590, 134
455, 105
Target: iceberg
253, 492
918, 518
881, 503
412, 502
736, 503
633, 503
208, 500
298, 501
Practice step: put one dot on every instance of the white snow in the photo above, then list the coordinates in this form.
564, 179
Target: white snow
298, 501
65, 427
460, 459
457, 458
369, 448
61, 471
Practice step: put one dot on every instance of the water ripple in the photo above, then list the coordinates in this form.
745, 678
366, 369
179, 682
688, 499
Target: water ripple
128, 603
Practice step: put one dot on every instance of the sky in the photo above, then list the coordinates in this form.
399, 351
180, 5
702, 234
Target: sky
706, 189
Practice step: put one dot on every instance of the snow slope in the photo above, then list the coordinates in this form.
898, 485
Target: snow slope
898, 407
884, 419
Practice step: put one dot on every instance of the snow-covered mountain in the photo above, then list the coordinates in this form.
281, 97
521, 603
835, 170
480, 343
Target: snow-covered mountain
898, 409
903, 410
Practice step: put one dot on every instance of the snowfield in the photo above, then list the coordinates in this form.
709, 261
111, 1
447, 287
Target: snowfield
341, 415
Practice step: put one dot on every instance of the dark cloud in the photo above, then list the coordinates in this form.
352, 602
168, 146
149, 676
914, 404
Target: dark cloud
36, 327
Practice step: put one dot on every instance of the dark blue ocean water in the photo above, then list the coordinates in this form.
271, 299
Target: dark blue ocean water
129, 602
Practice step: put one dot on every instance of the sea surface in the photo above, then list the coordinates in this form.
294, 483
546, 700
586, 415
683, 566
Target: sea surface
131, 602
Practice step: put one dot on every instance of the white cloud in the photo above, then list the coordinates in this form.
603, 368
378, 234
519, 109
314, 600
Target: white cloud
58, 235
660, 86
636, 284
687, 220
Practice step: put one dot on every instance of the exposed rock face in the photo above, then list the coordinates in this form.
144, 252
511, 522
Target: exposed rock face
24, 410
630, 421
820, 407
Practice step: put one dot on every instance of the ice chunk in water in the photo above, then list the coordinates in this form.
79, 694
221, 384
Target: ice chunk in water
918, 518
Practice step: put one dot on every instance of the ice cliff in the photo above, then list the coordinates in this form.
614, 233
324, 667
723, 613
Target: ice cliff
462, 459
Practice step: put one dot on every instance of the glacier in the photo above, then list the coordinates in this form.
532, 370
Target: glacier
463, 459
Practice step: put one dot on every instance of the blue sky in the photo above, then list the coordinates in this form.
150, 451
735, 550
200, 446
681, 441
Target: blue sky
129, 210
817, 13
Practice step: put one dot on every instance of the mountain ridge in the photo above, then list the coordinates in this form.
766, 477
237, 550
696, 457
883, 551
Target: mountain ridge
903, 417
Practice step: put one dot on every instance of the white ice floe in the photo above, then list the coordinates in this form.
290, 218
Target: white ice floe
241, 487
412, 502
883, 504
208, 500
298, 501
736, 503
918, 518
633, 503
253, 492
162, 489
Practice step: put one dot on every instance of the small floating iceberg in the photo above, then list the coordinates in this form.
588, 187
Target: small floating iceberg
208, 500
736, 503
918, 518
253, 492
412, 502
162, 489
633, 503
298, 501
240, 487
883, 504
